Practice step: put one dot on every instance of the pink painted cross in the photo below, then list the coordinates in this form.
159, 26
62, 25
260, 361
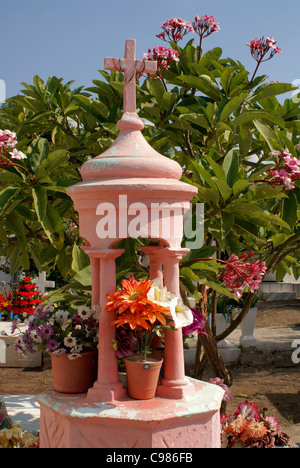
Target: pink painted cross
130, 66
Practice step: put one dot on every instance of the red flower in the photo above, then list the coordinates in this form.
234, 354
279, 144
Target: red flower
238, 274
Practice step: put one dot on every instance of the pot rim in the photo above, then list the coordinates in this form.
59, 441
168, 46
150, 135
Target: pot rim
150, 358
83, 353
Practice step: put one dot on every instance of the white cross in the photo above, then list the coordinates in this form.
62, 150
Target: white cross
42, 284
130, 66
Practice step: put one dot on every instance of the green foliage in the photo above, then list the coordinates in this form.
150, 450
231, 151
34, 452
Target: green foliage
212, 119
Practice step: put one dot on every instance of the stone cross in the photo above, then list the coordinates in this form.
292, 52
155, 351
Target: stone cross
42, 284
130, 66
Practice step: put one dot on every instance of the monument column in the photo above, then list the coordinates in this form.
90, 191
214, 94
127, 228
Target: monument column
155, 261
107, 388
174, 384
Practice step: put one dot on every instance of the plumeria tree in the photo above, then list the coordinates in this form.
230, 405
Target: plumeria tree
235, 140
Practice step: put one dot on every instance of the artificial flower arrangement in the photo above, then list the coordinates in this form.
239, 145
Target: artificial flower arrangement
250, 426
57, 331
26, 298
6, 299
143, 310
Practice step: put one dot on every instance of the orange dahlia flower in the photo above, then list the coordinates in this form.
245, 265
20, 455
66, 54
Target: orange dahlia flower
237, 426
255, 430
132, 297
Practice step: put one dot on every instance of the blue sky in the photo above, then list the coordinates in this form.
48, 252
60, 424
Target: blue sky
71, 38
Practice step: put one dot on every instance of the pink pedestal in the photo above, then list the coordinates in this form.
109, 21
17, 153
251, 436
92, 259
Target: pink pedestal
72, 421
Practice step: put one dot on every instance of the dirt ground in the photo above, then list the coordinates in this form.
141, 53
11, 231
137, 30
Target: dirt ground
277, 389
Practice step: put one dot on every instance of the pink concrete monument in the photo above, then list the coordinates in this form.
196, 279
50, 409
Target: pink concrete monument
130, 188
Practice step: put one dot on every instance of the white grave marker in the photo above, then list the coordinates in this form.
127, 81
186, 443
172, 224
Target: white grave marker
42, 283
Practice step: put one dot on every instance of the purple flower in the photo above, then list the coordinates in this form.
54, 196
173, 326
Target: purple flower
126, 343
91, 324
197, 325
52, 345
46, 331
76, 320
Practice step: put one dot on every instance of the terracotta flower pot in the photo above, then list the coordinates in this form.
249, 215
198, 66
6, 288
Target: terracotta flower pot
142, 377
74, 375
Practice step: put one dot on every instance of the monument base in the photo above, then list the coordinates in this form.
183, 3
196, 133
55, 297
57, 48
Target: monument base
71, 421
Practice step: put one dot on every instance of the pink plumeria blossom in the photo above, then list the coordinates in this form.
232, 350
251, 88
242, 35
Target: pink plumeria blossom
205, 25
174, 29
240, 274
164, 57
259, 48
287, 169
15, 154
7, 139
220, 382
262, 50
8, 142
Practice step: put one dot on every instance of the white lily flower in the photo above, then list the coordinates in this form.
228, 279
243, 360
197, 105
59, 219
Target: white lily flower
158, 295
181, 314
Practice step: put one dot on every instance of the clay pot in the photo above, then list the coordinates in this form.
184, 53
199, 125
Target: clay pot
142, 377
74, 375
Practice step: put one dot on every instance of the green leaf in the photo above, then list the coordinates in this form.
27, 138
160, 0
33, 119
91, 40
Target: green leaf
220, 289
40, 201
279, 239
249, 116
7, 176
262, 193
6, 196
15, 224
239, 186
24, 258
204, 174
210, 265
34, 250
64, 260
270, 90
158, 90
254, 212
84, 276
54, 160
53, 227
232, 106
198, 119
226, 77
224, 189
231, 167
15, 258
80, 259
204, 84
218, 170
267, 133
227, 220
190, 274
290, 210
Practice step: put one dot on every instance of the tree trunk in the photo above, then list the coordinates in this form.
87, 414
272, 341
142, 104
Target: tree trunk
207, 349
